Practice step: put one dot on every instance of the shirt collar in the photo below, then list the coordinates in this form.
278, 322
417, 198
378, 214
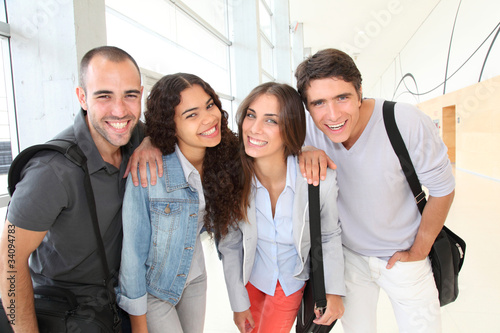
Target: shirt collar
87, 145
187, 167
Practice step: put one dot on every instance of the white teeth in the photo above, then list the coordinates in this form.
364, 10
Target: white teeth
118, 125
257, 142
210, 131
336, 127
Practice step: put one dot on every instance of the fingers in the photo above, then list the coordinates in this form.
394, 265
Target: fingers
393, 260
244, 321
159, 164
152, 172
144, 175
249, 324
331, 164
313, 164
132, 168
328, 317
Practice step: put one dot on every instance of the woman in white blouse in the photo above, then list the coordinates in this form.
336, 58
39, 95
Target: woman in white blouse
266, 257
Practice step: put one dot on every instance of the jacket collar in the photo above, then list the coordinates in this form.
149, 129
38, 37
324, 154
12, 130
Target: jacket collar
174, 175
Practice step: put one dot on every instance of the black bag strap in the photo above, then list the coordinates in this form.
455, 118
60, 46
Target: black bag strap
68, 148
51, 292
318, 276
73, 153
404, 157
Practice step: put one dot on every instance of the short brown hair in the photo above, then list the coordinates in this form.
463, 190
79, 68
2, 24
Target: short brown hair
324, 64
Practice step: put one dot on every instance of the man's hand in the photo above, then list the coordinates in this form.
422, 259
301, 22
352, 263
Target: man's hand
404, 256
432, 222
145, 153
334, 310
313, 163
244, 321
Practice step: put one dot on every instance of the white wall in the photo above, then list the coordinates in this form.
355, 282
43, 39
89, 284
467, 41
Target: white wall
48, 40
425, 54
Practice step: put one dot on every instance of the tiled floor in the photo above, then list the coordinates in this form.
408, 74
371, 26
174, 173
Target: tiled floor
475, 216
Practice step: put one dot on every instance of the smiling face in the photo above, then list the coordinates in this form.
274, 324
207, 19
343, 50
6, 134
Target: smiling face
260, 129
112, 99
334, 105
197, 120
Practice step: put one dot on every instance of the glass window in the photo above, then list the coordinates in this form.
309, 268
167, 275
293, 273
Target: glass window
266, 54
267, 2
176, 44
213, 12
265, 18
155, 15
3, 17
8, 133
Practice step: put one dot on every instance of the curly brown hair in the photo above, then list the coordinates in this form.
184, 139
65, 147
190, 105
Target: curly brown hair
221, 164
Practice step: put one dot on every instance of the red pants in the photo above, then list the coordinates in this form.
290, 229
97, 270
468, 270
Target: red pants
273, 314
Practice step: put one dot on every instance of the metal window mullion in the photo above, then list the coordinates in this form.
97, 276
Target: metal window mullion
263, 35
198, 19
225, 96
268, 74
4, 29
268, 9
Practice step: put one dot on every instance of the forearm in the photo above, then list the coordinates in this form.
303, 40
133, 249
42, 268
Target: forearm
16, 246
139, 324
433, 218
17, 297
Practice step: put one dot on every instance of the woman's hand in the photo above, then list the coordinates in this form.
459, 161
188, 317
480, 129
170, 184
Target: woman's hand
244, 321
334, 310
145, 153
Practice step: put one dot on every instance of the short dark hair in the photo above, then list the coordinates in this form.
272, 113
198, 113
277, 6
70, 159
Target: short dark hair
324, 64
111, 53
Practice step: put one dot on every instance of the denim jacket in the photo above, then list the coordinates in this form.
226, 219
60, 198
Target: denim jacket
159, 235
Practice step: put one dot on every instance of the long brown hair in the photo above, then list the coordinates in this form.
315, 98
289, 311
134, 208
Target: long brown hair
221, 165
292, 124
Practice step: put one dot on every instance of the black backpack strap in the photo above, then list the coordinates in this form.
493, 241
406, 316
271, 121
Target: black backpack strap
404, 158
317, 270
68, 148
72, 152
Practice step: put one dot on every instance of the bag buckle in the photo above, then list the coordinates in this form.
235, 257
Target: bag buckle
321, 309
420, 197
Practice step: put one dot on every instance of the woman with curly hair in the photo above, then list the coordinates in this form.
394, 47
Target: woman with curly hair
266, 256
162, 281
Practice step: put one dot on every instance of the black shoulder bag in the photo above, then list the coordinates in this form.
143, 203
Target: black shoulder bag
448, 251
314, 292
57, 309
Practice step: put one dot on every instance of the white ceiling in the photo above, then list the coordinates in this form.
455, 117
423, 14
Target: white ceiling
371, 31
